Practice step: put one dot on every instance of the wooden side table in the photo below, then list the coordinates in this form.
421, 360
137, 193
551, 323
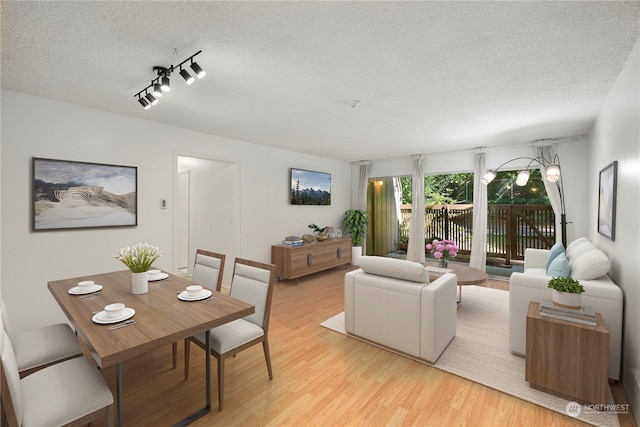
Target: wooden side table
567, 359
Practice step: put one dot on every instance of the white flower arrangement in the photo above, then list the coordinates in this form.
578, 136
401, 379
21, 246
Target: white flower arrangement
139, 257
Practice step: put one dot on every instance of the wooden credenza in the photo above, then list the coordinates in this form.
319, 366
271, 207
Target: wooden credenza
567, 359
294, 262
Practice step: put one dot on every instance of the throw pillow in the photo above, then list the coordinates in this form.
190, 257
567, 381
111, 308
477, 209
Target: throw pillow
590, 264
555, 250
578, 246
396, 268
559, 267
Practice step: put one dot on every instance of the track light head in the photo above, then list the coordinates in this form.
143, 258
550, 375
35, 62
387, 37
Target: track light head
145, 104
157, 91
152, 99
186, 76
165, 86
200, 73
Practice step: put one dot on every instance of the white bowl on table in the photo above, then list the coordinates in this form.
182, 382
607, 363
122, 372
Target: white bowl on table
113, 311
194, 290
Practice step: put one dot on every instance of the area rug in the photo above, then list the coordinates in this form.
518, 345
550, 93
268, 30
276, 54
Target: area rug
480, 353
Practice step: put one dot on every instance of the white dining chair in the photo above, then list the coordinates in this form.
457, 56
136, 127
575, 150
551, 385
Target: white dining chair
41, 347
208, 270
252, 282
68, 393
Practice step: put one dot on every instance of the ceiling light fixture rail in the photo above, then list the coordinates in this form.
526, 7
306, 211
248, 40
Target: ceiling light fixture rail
161, 84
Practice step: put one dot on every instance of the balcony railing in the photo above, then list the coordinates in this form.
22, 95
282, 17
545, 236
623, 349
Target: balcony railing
510, 228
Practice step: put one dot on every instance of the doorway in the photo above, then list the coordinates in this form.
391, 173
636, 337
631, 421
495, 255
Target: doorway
207, 210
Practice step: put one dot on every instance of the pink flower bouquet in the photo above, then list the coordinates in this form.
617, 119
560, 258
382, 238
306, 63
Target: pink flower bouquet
443, 249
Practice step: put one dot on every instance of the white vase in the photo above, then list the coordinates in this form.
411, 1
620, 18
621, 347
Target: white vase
356, 253
566, 300
139, 283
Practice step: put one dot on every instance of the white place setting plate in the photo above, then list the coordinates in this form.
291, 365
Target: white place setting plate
89, 290
102, 319
185, 296
154, 277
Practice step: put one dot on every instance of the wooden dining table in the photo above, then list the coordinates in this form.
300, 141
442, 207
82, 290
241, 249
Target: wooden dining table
161, 318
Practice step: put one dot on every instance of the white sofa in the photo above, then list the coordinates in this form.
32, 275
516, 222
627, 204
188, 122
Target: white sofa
590, 266
391, 302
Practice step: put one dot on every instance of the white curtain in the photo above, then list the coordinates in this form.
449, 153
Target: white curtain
543, 150
397, 195
478, 258
361, 202
415, 251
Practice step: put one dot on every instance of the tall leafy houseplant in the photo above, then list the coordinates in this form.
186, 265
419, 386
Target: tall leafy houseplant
355, 224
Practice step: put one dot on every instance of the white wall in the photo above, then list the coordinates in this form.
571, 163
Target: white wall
40, 127
616, 136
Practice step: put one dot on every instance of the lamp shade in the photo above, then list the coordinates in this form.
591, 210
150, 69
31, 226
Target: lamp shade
553, 172
488, 177
523, 178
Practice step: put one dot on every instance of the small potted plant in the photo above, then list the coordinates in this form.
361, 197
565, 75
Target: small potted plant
320, 236
355, 224
566, 292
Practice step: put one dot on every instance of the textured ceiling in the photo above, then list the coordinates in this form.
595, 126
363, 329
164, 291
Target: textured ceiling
430, 76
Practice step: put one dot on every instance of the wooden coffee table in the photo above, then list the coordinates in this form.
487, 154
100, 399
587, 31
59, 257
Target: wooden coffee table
466, 275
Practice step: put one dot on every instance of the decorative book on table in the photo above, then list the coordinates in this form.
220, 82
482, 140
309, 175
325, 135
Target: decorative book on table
293, 241
585, 314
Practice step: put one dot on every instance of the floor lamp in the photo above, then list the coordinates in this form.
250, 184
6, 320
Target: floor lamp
552, 174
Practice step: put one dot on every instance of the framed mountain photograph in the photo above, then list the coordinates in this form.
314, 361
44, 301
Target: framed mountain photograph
309, 187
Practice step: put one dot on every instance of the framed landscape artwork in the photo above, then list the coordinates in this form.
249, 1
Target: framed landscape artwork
69, 194
607, 201
309, 187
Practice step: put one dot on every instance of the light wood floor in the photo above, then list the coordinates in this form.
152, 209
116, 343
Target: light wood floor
321, 378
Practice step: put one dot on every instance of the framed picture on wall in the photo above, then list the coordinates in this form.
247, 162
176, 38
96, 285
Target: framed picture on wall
607, 201
69, 194
309, 187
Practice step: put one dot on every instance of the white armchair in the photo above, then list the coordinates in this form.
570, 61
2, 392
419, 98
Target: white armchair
392, 303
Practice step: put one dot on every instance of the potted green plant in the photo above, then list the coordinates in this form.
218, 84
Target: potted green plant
355, 224
320, 236
566, 292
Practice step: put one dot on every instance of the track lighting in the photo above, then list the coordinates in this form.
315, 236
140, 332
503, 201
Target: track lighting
152, 99
200, 73
165, 86
145, 104
157, 91
161, 83
186, 76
